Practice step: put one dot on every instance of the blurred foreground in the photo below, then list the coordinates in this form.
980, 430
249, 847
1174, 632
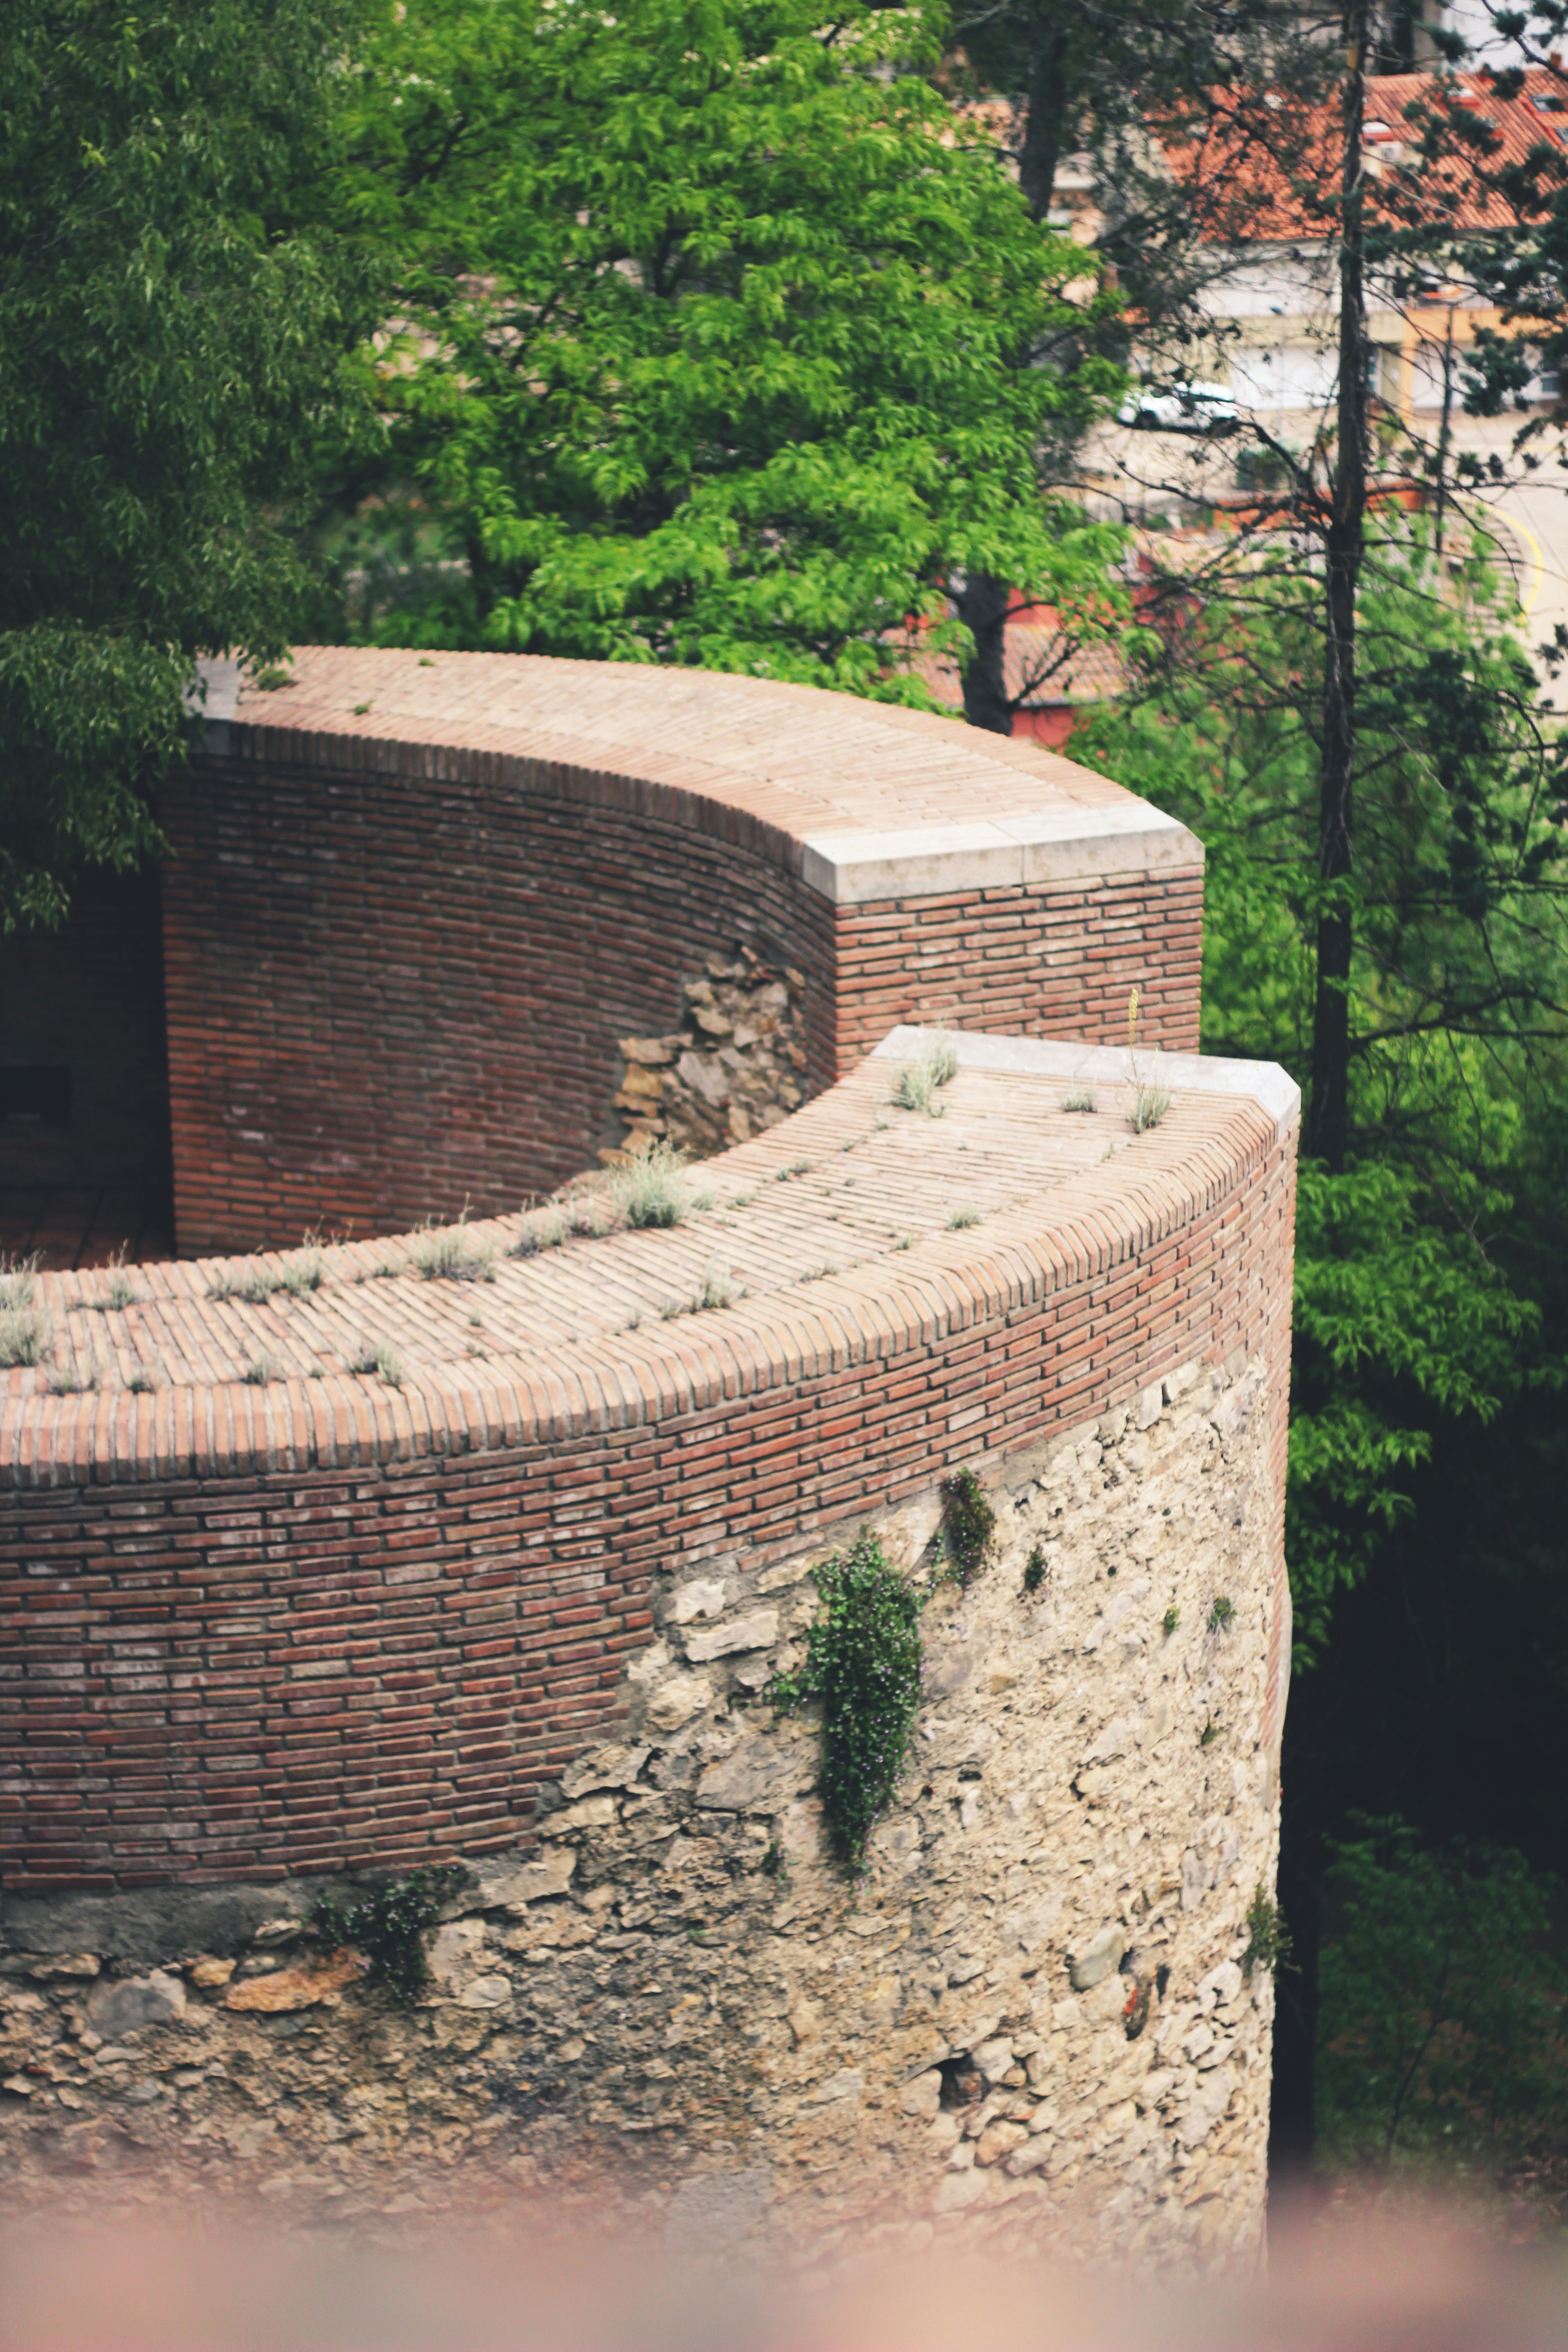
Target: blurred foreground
544, 2277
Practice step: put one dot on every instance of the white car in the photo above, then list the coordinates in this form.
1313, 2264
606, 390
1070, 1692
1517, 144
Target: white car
1181, 408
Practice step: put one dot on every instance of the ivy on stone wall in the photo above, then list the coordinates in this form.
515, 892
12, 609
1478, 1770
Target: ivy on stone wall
863, 1662
390, 1925
969, 1525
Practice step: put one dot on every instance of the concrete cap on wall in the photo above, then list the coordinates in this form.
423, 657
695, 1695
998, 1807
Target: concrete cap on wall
1273, 1090
863, 800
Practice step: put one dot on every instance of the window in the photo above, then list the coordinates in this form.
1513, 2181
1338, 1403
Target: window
36, 1098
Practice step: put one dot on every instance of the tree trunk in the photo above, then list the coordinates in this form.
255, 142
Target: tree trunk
1046, 124
1328, 1124
1292, 2108
984, 602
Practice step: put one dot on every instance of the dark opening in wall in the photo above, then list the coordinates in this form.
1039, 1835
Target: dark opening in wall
36, 1096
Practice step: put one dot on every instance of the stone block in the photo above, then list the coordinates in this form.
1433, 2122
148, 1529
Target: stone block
129, 2004
1089, 1962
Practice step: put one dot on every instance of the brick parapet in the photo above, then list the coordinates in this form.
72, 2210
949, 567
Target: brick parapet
415, 902
261, 1629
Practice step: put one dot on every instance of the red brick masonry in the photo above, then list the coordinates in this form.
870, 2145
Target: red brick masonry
414, 901
315, 1619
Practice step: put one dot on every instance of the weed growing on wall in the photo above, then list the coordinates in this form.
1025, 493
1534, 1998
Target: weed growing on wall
118, 1291
969, 1525
18, 1284
863, 1662
1083, 1100
916, 1084
1151, 1100
254, 1284
24, 1336
390, 1928
651, 1188
1222, 1615
380, 1357
305, 1271
450, 1254
1268, 1938
1036, 1570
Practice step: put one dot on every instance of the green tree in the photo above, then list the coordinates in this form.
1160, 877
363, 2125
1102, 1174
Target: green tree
170, 347
1443, 2002
1456, 1006
712, 322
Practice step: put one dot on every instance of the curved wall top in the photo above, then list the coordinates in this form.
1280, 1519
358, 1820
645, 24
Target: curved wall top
863, 800
347, 1570
417, 900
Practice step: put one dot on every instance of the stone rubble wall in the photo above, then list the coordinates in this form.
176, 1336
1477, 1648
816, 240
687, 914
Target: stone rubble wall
1029, 2019
736, 1066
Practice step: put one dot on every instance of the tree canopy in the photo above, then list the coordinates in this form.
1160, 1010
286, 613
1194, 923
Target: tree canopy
172, 345
710, 322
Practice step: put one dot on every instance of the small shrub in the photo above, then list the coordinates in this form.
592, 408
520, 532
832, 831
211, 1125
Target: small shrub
1222, 1615
969, 1525
961, 1219
1170, 1621
651, 1189
1268, 1938
1037, 1570
1083, 1100
389, 1927
380, 1357
18, 1282
449, 1253
863, 1662
24, 1336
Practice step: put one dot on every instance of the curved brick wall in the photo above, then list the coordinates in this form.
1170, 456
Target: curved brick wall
416, 900
310, 1619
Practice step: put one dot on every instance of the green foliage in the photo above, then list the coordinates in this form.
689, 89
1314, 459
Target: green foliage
1170, 1620
172, 348
1268, 1938
863, 1662
720, 339
969, 1525
390, 1927
1036, 1570
1444, 2004
1402, 1326
1408, 1329
1222, 1615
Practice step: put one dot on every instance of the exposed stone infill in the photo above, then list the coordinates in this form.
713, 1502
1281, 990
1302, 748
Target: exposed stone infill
1029, 2019
733, 1068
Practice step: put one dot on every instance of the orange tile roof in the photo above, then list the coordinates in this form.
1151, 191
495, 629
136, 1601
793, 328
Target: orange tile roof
1259, 173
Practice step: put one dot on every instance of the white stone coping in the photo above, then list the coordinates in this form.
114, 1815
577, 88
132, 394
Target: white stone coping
1264, 1083
1035, 847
